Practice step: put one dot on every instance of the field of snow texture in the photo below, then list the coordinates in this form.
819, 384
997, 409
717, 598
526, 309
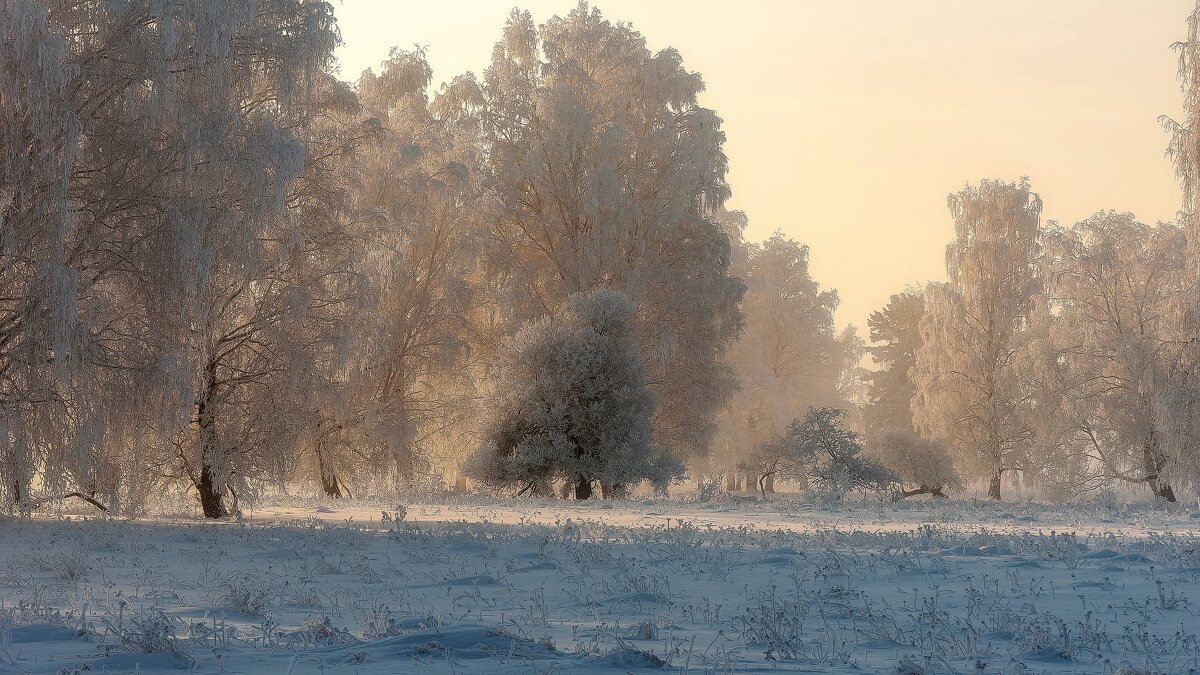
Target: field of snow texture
490, 586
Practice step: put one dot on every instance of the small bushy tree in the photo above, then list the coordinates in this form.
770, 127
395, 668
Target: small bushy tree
820, 452
923, 462
571, 402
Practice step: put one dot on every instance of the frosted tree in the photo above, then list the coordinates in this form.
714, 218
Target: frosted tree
821, 453
404, 378
144, 144
571, 402
972, 388
896, 338
1116, 286
922, 463
790, 355
1184, 146
606, 172
1179, 407
278, 316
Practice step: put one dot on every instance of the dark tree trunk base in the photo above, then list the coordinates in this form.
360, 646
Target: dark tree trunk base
994, 487
1165, 492
211, 501
583, 488
762, 485
925, 490
331, 486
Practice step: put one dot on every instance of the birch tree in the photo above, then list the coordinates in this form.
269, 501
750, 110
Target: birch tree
145, 145
1116, 285
1179, 407
972, 392
405, 376
606, 172
276, 314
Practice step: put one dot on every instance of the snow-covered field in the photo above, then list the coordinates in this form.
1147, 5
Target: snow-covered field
489, 586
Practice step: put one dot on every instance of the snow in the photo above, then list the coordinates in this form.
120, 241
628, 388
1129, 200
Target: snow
498, 586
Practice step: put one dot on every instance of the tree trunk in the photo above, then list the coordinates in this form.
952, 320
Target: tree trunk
1152, 463
329, 480
10, 458
460, 485
211, 494
210, 498
924, 490
762, 480
994, 485
770, 484
583, 488
329, 483
731, 482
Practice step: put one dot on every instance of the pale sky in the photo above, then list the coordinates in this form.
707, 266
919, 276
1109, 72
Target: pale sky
849, 121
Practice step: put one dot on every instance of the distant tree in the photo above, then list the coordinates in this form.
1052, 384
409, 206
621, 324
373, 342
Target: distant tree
571, 402
896, 338
819, 452
920, 462
972, 392
790, 355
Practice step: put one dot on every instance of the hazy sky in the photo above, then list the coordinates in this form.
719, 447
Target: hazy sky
849, 122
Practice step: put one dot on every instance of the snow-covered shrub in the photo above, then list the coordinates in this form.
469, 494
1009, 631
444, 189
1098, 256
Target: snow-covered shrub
380, 623
396, 516
319, 632
571, 402
150, 631
920, 462
65, 566
822, 454
247, 593
711, 490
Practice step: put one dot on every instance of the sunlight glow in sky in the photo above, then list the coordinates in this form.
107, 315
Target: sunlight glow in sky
850, 122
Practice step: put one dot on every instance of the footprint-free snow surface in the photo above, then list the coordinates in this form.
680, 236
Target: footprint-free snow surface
478, 586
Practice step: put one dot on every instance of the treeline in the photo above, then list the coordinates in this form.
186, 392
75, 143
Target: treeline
1056, 357
224, 271
1062, 358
